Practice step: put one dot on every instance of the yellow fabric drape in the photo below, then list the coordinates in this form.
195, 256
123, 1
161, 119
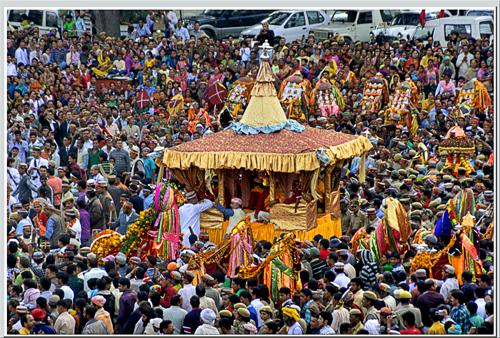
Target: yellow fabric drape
327, 226
285, 163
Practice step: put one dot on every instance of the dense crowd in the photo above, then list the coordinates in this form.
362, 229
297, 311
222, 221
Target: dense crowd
82, 159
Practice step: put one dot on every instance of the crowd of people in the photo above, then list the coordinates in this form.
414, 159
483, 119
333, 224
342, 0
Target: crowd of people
81, 159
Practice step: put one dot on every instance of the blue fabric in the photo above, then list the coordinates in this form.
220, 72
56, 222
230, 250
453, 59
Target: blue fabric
228, 212
245, 129
443, 225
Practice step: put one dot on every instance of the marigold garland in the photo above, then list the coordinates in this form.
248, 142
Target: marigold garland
107, 242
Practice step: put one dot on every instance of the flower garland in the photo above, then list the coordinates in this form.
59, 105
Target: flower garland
138, 230
107, 242
143, 234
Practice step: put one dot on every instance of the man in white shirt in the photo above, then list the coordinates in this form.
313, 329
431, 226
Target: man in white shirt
175, 313
36, 54
189, 215
94, 272
341, 280
463, 61
481, 303
187, 291
257, 305
63, 279
450, 283
35, 164
172, 18
22, 54
181, 31
11, 67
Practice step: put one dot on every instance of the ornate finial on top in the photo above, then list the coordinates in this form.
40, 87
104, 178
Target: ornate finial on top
265, 47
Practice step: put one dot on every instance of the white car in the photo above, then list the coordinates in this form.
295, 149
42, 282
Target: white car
479, 12
290, 24
404, 25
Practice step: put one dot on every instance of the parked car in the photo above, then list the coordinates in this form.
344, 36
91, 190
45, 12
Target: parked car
220, 23
403, 26
289, 24
476, 27
45, 20
479, 12
354, 25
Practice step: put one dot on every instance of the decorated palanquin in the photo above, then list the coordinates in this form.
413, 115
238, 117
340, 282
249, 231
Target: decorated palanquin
402, 104
474, 95
457, 147
156, 232
375, 95
326, 98
294, 96
239, 95
277, 158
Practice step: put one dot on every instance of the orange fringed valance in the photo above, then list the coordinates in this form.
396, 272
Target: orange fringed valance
326, 226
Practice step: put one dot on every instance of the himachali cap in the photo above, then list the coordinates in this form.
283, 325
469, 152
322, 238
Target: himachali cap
385, 311
488, 194
21, 309
190, 195
384, 287
176, 275
135, 260
84, 250
121, 258
334, 242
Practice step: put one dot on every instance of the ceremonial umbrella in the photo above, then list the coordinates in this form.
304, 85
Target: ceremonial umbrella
142, 99
216, 94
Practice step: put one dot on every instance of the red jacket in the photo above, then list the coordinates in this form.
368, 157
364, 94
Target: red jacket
168, 292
